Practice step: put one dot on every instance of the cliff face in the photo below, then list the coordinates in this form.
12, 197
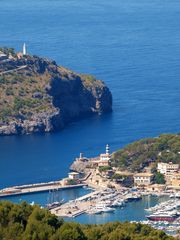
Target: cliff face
76, 99
39, 96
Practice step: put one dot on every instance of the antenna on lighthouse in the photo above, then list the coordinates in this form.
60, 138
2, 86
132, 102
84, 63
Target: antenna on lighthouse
24, 49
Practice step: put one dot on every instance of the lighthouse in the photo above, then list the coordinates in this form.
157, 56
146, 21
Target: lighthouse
107, 149
24, 49
104, 158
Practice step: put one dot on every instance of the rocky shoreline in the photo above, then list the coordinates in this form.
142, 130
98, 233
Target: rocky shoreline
71, 96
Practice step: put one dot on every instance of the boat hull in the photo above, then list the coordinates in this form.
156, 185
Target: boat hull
168, 219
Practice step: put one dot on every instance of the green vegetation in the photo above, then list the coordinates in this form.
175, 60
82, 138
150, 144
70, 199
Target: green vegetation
136, 156
24, 91
25, 222
89, 80
7, 51
159, 178
72, 181
18, 95
117, 176
104, 168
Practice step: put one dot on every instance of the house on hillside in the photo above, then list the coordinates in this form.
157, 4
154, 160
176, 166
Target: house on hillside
167, 168
141, 179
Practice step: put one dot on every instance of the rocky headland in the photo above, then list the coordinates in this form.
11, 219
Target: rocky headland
137, 156
37, 95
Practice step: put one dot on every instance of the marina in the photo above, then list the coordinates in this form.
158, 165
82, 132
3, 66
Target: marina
86, 205
96, 202
130, 208
104, 197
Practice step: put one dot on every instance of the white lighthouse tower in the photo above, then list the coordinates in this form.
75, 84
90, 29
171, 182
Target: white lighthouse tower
104, 158
24, 49
107, 149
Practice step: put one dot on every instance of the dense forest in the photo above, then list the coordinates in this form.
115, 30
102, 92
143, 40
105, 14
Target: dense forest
26, 222
137, 155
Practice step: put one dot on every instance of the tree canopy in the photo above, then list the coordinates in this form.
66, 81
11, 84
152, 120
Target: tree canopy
137, 155
25, 222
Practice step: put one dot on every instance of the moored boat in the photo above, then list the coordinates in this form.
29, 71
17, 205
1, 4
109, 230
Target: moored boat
166, 216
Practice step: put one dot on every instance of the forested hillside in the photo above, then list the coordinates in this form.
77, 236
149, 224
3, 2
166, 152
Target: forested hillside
137, 155
25, 222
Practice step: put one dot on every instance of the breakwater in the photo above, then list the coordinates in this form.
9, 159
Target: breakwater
35, 188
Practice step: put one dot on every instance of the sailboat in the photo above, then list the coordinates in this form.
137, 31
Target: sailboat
54, 200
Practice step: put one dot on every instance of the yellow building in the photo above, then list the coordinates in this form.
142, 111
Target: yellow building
175, 180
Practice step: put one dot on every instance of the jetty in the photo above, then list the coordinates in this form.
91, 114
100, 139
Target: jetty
76, 207
100, 201
37, 187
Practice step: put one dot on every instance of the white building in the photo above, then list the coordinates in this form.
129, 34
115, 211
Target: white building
167, 168
143, 178
73, 175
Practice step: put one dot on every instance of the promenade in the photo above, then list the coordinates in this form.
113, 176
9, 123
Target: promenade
34, 188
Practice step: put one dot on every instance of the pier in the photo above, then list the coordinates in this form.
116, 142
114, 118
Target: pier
76, 207
35, 188
95, 202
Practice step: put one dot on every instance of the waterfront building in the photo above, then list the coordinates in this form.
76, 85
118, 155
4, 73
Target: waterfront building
73, 175
167, 168
143, 178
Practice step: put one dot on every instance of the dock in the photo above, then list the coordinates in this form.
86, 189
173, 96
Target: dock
76, 207
37, 187
95, 202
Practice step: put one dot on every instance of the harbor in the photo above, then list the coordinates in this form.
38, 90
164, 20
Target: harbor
107, 205
96, 202
86, 205
104, 195
108, 200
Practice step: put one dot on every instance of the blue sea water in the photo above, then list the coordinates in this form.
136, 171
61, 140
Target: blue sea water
44, 198
132, 45
132, 211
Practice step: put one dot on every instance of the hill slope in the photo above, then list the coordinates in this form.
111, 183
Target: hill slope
25, 222
37, 95
137, 155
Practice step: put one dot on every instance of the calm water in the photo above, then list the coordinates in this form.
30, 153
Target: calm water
134, 46
44, 198
133, 211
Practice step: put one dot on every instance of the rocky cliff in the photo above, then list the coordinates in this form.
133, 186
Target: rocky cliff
37, 95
